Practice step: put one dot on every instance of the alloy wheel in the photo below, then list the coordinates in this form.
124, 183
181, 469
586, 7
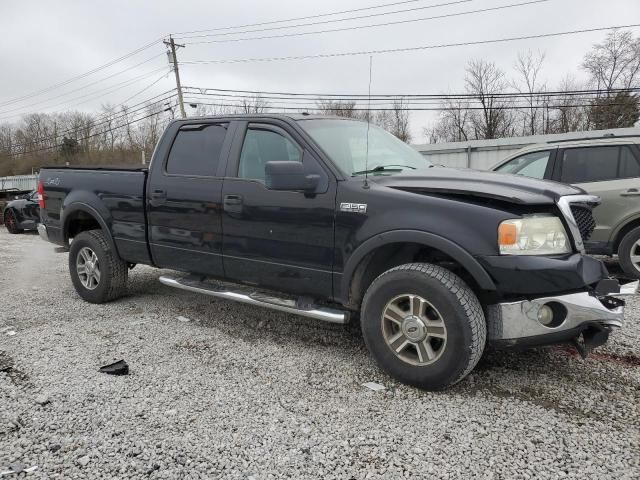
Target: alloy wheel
88, 268
414, 329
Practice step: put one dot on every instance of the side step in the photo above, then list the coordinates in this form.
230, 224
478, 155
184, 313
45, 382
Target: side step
259, 299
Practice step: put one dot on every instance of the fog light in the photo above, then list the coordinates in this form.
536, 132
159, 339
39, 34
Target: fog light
545, 315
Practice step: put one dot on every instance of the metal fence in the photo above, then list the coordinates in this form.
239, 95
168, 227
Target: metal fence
19, 182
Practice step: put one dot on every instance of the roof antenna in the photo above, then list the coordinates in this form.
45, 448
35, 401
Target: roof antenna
366, 158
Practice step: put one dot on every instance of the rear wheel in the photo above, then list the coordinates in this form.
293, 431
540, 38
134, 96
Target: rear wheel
629, 253
11, 222
97, 273
423, 325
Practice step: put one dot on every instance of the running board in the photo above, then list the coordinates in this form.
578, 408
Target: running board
259, 299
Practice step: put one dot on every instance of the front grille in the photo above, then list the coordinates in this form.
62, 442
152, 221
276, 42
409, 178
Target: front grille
584, 218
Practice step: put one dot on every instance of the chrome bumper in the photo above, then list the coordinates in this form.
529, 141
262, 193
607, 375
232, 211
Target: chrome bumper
42, 231
519, 320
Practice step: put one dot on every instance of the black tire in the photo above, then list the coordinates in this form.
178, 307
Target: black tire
630, 247
113, 271
458, 308
11, 222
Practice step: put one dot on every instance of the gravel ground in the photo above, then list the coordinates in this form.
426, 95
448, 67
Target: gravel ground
242, 392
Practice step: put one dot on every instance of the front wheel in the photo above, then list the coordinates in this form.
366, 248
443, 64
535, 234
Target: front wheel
423, 325
97, 273
629, 253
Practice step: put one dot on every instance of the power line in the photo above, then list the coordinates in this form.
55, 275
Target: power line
130, 111
314, 96
83, 87
324, 22
375, 25
408, 49
353, 10
92, 95
83, 75
411, 109
145, 88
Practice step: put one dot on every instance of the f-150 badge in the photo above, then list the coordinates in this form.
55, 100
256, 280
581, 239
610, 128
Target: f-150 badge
353, 207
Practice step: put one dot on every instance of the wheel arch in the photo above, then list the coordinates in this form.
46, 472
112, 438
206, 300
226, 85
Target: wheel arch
390, 249
79, 217
622, 230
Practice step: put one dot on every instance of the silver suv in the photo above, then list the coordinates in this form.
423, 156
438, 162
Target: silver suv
608, 167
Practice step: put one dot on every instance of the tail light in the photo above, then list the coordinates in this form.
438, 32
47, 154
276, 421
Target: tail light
41, 196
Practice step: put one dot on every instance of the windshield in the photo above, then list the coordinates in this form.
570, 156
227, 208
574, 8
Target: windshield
345, 141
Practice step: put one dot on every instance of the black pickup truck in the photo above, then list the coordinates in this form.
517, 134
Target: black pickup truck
331, 218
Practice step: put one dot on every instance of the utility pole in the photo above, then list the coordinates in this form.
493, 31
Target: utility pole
174, 59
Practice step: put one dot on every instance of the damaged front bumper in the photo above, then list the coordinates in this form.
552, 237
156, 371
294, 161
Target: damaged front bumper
562, 318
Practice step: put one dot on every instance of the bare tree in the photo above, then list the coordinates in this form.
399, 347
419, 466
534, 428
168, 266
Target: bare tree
454, 123
568, 113
528, 67
484, 80
395, 120
614, 63
339, 108
255, 104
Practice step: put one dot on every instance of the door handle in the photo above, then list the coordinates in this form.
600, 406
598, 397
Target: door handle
233, 200
158, 197
232, 205
632, 192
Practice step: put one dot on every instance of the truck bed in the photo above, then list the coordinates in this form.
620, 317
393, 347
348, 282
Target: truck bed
117, 192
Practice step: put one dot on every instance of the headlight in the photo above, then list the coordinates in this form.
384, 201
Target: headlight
540, 234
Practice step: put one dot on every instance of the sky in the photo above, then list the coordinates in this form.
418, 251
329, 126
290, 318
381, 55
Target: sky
46, 43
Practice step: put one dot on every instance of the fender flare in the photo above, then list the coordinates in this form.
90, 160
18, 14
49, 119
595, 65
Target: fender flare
83, 207
446, 246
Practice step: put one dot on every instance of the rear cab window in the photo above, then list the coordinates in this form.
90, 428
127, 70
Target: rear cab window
196, 150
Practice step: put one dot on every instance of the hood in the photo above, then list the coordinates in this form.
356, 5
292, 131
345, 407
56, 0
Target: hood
499, 186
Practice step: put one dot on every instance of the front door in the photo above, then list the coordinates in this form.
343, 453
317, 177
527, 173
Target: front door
281, 240
184, 199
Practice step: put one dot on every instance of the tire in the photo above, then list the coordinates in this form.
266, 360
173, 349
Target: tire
11, 222
112, 271
629, 253
447, 308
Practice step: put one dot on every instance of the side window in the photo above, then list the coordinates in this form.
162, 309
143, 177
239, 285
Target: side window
532, 164
629, 165
589, 164
196, 150
261, 146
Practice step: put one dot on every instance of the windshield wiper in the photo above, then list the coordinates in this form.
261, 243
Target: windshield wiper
383, 168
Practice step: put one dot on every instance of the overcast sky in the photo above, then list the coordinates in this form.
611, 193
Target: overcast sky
47, 42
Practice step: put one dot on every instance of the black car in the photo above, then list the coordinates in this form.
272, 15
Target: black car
22, 213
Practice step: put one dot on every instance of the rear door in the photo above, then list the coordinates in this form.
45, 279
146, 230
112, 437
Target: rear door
277, 239
184, 198
613, 173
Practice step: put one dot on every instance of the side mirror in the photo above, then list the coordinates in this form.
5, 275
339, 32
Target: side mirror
290, 176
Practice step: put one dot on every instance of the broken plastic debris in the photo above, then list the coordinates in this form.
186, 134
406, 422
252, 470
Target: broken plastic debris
17, 468
183, 319
376, 387
118, 368
11, 333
